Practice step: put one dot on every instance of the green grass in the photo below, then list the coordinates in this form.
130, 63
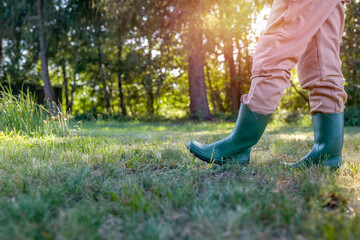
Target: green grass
21, 115
137, 181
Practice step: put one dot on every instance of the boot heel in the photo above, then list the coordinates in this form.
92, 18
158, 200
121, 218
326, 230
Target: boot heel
335, 162
242, 158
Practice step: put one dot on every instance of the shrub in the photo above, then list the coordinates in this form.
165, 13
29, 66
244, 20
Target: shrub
352, 116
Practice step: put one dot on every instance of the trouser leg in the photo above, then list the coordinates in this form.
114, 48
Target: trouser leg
291, 26
319, 67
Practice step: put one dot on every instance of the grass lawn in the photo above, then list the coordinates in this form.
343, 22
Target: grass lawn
137, 181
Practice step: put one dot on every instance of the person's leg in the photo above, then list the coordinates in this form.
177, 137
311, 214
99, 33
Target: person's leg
319, 70
291, 26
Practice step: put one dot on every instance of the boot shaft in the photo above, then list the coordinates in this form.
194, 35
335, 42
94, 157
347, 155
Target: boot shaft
329, 132
249, 126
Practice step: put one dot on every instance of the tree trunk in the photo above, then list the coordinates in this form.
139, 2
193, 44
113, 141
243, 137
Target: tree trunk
248, 58
234, 87
240, 72
104, 80
218, 100
120, 80
121, 95
150, 103
211, 88
73, 87
66, 86
199, 108
1, 55
48, 91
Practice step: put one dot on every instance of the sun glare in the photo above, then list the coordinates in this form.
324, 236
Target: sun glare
261, 20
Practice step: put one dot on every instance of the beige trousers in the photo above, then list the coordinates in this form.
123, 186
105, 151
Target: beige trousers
306, 33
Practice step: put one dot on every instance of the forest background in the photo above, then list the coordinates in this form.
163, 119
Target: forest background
151, 59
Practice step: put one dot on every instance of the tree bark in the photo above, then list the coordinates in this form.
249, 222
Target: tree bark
104, 80
66, 84
199, 107
150, 102
1, 55
120, 82
248, 58
211, 88
73, 87
234, 87
240, 72
218, 100
48, 91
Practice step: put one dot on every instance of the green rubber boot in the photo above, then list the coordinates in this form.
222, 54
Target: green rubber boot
328, 141
236, 147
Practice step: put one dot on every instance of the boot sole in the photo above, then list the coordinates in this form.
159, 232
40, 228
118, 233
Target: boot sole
334, 163
214, 161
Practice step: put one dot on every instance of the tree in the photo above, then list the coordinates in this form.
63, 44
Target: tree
122, 15
13, 15
350, 53
48, 91
141, 58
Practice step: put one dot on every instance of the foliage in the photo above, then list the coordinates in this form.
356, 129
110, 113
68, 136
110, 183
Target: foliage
350, 53
20, 115
131, 58
126, 56
352, 116
294, 106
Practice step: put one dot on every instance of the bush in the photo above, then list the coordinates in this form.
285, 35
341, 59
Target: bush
352, 116
22, 115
